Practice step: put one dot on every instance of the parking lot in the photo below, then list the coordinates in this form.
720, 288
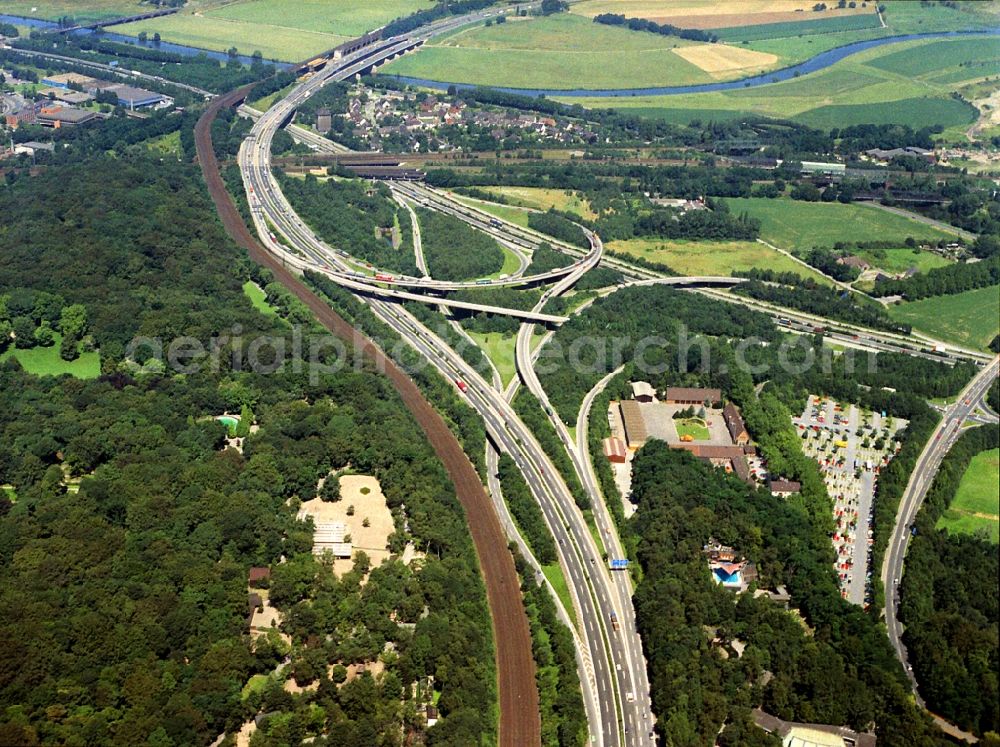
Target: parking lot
851, 446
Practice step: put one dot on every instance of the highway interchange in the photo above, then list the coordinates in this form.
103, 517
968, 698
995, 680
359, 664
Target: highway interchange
612, 667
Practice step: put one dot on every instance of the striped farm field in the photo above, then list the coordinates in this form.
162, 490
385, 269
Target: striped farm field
797, 225
862, 89
969, 319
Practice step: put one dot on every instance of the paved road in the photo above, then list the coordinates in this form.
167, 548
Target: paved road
941, 440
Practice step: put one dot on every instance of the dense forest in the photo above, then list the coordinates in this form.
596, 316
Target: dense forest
353, 217
805, 294
941, 281
126, 549
456, 251
949, 603
584, 351
823, 661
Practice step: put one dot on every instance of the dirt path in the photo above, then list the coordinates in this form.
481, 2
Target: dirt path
519, 718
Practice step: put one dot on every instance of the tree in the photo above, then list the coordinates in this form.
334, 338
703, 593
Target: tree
142, 37
330, 491
156, 38
73, 320
24, 332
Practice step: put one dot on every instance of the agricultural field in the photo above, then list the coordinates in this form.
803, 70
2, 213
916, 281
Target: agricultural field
797, 225
712, 257
910, 82
562, 52
89, 10
48, 362
289, 30
543, 199
969, 319
220, 34
340, 17
709, 14
976, 505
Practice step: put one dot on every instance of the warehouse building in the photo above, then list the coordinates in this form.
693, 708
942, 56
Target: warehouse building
643, 391
682, 395
635, 426
137, 98
615, 450
64, 116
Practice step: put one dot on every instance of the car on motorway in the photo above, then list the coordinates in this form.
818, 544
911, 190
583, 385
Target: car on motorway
462, 386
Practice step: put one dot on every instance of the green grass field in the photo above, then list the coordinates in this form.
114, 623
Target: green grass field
543, 199
903, 258
793, 224
256, 295
553, 572
514, 215
976, 506
280, 29
560, 51
712, 257
808, 26
339, 17
166, 145
869, 87
499, 349
48, 362
87, 10
694, 427
969, 319
510, 263
220, 34
256, 684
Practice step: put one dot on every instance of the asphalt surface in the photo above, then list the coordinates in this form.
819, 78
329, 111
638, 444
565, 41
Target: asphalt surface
519, 715
941, 440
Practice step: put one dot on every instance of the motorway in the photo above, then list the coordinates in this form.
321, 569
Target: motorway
613, 672
610, 710
946, 433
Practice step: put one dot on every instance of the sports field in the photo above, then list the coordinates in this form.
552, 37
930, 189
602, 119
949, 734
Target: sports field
969, 319
543, 199
797, 225
280, 29
48, 362
560, 51
910, 82
712, 257
976, 505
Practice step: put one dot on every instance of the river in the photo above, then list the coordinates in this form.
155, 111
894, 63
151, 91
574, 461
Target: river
818, 62
163, 46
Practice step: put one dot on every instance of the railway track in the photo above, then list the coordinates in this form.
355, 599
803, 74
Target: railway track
520, 723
